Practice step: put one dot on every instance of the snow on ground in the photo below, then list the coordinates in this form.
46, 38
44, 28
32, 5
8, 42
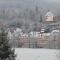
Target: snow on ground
37, 54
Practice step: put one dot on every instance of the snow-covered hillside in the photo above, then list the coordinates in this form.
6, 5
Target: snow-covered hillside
37, 54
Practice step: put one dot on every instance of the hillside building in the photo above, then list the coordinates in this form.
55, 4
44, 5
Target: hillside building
49, 16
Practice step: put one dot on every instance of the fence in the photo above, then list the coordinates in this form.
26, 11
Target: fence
52, 42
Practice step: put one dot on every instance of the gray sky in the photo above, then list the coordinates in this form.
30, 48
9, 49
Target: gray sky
27, 2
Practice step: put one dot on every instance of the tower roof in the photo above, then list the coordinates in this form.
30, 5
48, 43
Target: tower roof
49, 14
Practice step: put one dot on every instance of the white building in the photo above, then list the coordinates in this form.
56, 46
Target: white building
35, 34
24, 35
49, 16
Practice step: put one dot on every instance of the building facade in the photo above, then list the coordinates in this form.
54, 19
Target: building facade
49, 16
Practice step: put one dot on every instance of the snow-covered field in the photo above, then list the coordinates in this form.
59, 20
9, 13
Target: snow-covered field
37, 54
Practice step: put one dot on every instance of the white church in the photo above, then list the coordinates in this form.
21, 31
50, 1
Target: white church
49, 16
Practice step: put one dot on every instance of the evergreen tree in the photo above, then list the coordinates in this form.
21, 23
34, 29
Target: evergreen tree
6, 53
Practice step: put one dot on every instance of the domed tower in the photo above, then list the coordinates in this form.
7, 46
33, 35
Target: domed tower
49, 16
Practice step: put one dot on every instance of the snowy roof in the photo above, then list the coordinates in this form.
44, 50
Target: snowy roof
56, 31
18, 30
49, 14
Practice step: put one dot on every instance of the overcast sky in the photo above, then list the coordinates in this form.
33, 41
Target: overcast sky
27, 2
